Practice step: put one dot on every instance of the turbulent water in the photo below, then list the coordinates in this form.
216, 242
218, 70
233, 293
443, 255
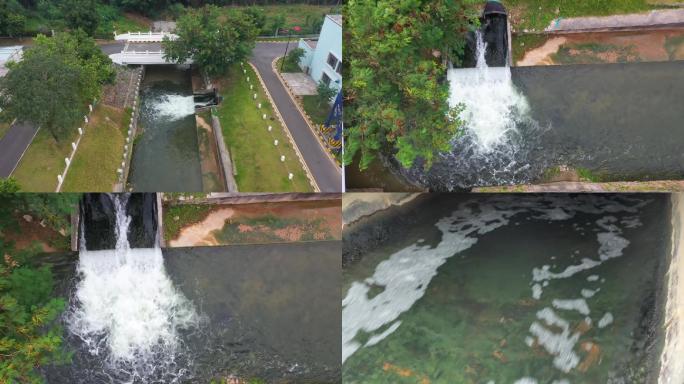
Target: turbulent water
494, 142
127, 312
166, 151
510, 289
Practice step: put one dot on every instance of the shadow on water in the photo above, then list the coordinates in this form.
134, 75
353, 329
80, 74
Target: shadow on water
506, 288
166, 153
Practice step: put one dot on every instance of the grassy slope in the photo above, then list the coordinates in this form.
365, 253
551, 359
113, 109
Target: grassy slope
99, 153
249, 142
42, 162
4, 127
537, 14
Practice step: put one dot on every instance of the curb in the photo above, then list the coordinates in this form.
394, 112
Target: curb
301, 110
287, 130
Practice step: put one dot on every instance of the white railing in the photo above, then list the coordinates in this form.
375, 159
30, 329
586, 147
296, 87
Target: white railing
144, 36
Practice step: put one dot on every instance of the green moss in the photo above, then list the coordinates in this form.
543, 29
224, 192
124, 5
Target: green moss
186, 214
588, 175
538, 14
522, 43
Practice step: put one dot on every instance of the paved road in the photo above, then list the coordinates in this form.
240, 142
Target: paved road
327, 174
13, 145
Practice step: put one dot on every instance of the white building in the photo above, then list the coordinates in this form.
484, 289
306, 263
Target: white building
322, 58
8, 54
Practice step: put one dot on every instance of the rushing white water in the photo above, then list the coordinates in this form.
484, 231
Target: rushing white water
491, 102
174, 107
126, 308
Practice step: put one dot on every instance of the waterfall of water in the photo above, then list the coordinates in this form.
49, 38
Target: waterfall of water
491, 102
126, 309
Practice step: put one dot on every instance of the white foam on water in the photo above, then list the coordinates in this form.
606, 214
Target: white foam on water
589, 293
593, 278
579, 305
526, 380
606, 320
404, 276
490, 100
174, 107
125, 307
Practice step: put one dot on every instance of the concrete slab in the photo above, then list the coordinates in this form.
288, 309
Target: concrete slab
652, 19
300, 83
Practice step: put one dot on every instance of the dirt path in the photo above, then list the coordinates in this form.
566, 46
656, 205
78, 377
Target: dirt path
542, 55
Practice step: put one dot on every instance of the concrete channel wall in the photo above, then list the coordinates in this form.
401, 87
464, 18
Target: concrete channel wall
132, 132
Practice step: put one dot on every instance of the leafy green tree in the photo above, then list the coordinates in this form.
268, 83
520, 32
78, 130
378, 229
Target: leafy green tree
29, 335
146, 7
292, 60
53, 83
277, 22
81, 14
213, 38
12, 19
395, 89
258, 18
324, 93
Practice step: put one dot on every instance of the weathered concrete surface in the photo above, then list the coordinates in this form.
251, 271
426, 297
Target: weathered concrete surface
652, 19
579, 186
358, 205
225, 162
300, 83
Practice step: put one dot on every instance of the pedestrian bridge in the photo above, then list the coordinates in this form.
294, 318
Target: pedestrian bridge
143, 48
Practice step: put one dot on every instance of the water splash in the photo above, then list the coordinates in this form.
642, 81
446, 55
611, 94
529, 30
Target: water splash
174, 107
126, 309
492, 104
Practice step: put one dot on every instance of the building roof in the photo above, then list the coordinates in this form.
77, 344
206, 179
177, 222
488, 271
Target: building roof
336, 18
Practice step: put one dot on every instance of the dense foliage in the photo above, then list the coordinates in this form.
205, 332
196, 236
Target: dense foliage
29, 337
396, 91
213, 38
54, 82
324, 94
101, 18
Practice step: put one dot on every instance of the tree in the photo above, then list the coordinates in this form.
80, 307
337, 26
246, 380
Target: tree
213, 38
12, 19
277, 22
53, 83
29, 335
81, 14
325, 93
395, 89
258, 18
292, 60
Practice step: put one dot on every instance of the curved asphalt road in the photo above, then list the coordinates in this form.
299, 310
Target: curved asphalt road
327, 174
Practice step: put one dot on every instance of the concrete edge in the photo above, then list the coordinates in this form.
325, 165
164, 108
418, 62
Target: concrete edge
225, 161
309, 175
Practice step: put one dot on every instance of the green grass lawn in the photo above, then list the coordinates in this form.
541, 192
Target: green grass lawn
100, 152
4, 127
537, 14
43, 161
317, 113
250, 144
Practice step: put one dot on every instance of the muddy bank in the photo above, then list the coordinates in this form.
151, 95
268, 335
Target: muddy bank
603, 47
223, 224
